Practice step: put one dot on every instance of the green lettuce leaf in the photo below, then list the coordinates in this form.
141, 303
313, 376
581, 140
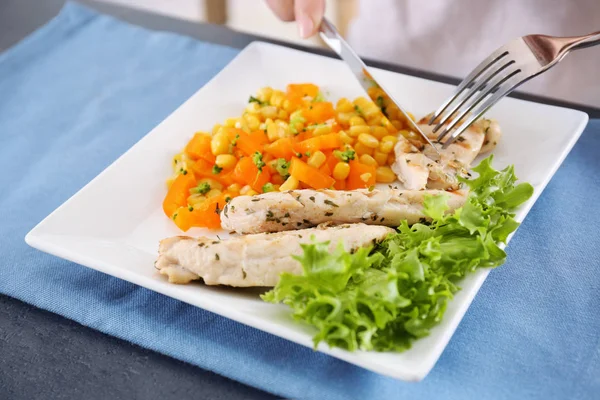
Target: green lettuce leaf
386, 297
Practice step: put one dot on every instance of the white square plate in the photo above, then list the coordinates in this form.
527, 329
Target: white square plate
536, 140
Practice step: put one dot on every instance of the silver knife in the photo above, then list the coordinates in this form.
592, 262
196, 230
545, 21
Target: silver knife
335, 41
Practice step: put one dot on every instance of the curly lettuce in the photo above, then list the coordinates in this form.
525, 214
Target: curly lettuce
386, 297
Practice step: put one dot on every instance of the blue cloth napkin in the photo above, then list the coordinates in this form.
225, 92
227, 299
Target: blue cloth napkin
80, 91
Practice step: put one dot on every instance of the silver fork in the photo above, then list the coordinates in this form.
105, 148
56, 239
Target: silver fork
499, 74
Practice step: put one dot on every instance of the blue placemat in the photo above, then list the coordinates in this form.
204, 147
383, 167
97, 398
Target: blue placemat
81, 90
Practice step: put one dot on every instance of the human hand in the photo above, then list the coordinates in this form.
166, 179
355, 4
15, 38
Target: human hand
307, 14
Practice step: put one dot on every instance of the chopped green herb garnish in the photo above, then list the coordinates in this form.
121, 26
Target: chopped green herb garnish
257, 159
295, 118
358, 110
345, 156
234, 141
253, 99
202, 188
282, 167
330, 203
216, 169
268, 187
319, 98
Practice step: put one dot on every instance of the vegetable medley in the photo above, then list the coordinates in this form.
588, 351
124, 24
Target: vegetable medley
284, 141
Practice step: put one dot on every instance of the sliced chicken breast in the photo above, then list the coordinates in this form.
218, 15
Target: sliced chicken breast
299, 209
492, 131
254, 260
420, 167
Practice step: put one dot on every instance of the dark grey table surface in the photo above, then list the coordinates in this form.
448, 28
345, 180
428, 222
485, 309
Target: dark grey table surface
45, 356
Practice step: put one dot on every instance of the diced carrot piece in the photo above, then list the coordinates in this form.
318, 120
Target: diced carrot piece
245, 143
276, 179
340, 185
325, 169
318, 113
310, 175
199, 147
178, 193
300, 90
261, 179
259, 137
267, 157
183, 218
246, 173
281, 148
361, 176
202, 168
323, 142
207, 215
332, 160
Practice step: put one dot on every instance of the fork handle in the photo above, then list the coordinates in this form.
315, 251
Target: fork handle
581, 42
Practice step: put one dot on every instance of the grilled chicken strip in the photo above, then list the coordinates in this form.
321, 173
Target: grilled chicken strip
254, 260
420, 167
298, 209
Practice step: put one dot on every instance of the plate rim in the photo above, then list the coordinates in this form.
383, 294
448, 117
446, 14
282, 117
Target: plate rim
416, 372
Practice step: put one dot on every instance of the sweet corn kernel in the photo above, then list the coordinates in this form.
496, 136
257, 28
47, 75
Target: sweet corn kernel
251, 192
386, 146
411, 116
234, 188
226, 161
356, 120
344, 106
196, 200
216, 129
212, 183
385, 175
269, 111
393, 112
388, 125
272, 131
219, 144
344, 117
380, 157
316, 159
277, 98
244, 191
345, 137
365, 177
379, 131
282, 114
341, 171
321, 130
361, 149
230, 122
356, 130
283, 128
368, 140
375, 119
253, 121
253, 108
291, 183
287, 106
368, 160
213, 193
397, 124
243, 125
264, 94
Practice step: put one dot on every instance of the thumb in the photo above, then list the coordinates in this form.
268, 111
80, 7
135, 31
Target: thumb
309, 14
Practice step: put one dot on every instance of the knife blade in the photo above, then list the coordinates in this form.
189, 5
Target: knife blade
334, 40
